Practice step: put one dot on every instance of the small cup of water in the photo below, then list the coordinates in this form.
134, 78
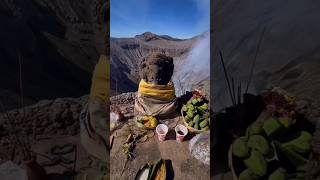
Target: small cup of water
181, 132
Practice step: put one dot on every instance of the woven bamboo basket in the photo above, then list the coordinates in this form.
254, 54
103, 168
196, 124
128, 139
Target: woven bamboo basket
230, 162
191, 129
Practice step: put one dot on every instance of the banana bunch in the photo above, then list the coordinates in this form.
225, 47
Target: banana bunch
196, 113
263, 144
147, 122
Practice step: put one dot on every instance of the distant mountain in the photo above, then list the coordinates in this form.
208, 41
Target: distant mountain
149, 36
58, 42
126, 54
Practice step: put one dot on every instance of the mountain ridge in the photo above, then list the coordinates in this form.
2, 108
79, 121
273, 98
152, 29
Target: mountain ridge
126, 54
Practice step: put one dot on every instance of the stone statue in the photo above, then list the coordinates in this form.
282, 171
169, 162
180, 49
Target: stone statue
156, 92
157, 68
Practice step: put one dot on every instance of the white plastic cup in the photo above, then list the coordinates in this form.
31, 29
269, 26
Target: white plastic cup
181, 132
162, 131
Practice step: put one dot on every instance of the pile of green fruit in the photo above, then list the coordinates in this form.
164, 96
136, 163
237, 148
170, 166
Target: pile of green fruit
196, 114
269, 151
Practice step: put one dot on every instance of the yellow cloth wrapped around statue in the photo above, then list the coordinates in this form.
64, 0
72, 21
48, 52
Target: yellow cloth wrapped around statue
157, 91
155, 100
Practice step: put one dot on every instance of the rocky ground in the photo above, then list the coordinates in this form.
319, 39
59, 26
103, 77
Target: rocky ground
123, 103
51, 127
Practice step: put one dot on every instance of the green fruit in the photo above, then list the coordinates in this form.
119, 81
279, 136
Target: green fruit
140, 120
187, 119
254, 129
189, 114
206, 128
204, 106
191, 124
188, 104
196, 119
240, 148
247, 175
296, 159
285, 121
203, 123
279, 174
200, 100
184, 108
196, 126
201, 111
272, 128
301, 144
206, 116
190, 107
256, 163
194, 101
259, 143
140, 125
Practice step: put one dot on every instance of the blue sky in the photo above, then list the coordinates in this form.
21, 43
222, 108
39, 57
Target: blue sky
176, 18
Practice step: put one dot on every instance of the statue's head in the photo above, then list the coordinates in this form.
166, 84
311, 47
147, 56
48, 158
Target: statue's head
157, 68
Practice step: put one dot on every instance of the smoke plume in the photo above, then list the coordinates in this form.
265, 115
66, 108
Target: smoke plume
194, 72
